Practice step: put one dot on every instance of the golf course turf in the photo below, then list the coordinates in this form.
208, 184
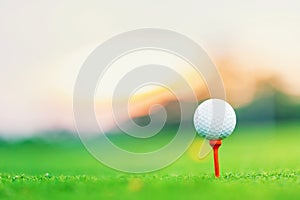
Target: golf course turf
257, 161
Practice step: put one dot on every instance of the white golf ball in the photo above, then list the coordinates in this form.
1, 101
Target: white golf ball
214, 119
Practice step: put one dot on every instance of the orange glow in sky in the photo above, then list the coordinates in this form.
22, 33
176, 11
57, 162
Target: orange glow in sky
43, 45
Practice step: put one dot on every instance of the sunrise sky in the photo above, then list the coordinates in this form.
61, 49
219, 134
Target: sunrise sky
44, 43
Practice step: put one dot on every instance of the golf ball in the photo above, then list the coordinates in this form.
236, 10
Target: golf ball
214, 119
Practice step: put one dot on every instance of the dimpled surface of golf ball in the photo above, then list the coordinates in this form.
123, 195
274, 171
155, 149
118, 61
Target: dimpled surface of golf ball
214, 119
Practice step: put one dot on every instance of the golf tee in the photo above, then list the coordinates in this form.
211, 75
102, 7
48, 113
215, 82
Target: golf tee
215, 144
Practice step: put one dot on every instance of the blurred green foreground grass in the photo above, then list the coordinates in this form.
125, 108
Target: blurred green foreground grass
259, 161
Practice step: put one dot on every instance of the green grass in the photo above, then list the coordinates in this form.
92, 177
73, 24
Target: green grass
260, 162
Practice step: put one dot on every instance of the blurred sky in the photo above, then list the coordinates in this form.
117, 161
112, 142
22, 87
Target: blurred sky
43, 44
